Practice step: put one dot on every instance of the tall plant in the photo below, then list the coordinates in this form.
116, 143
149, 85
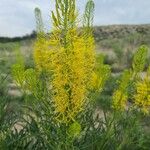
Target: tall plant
65, 75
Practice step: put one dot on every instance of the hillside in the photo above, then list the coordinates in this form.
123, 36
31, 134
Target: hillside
100, 32
120, 31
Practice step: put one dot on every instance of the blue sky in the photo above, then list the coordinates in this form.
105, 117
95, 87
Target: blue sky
17, 16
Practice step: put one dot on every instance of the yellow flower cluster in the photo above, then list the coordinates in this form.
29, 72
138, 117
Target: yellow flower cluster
142, 97
70, 78
120, 96
43, 50
68, 55
119, 100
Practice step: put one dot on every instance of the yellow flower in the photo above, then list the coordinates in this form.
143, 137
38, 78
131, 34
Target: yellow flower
67, 57
142, 96
70, 84
119, 100
120, 96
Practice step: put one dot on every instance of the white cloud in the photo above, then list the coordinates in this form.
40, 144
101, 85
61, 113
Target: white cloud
122, 12
17, 16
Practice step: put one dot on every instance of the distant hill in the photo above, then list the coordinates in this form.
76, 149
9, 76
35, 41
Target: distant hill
18, 39
120, 31
100, 32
